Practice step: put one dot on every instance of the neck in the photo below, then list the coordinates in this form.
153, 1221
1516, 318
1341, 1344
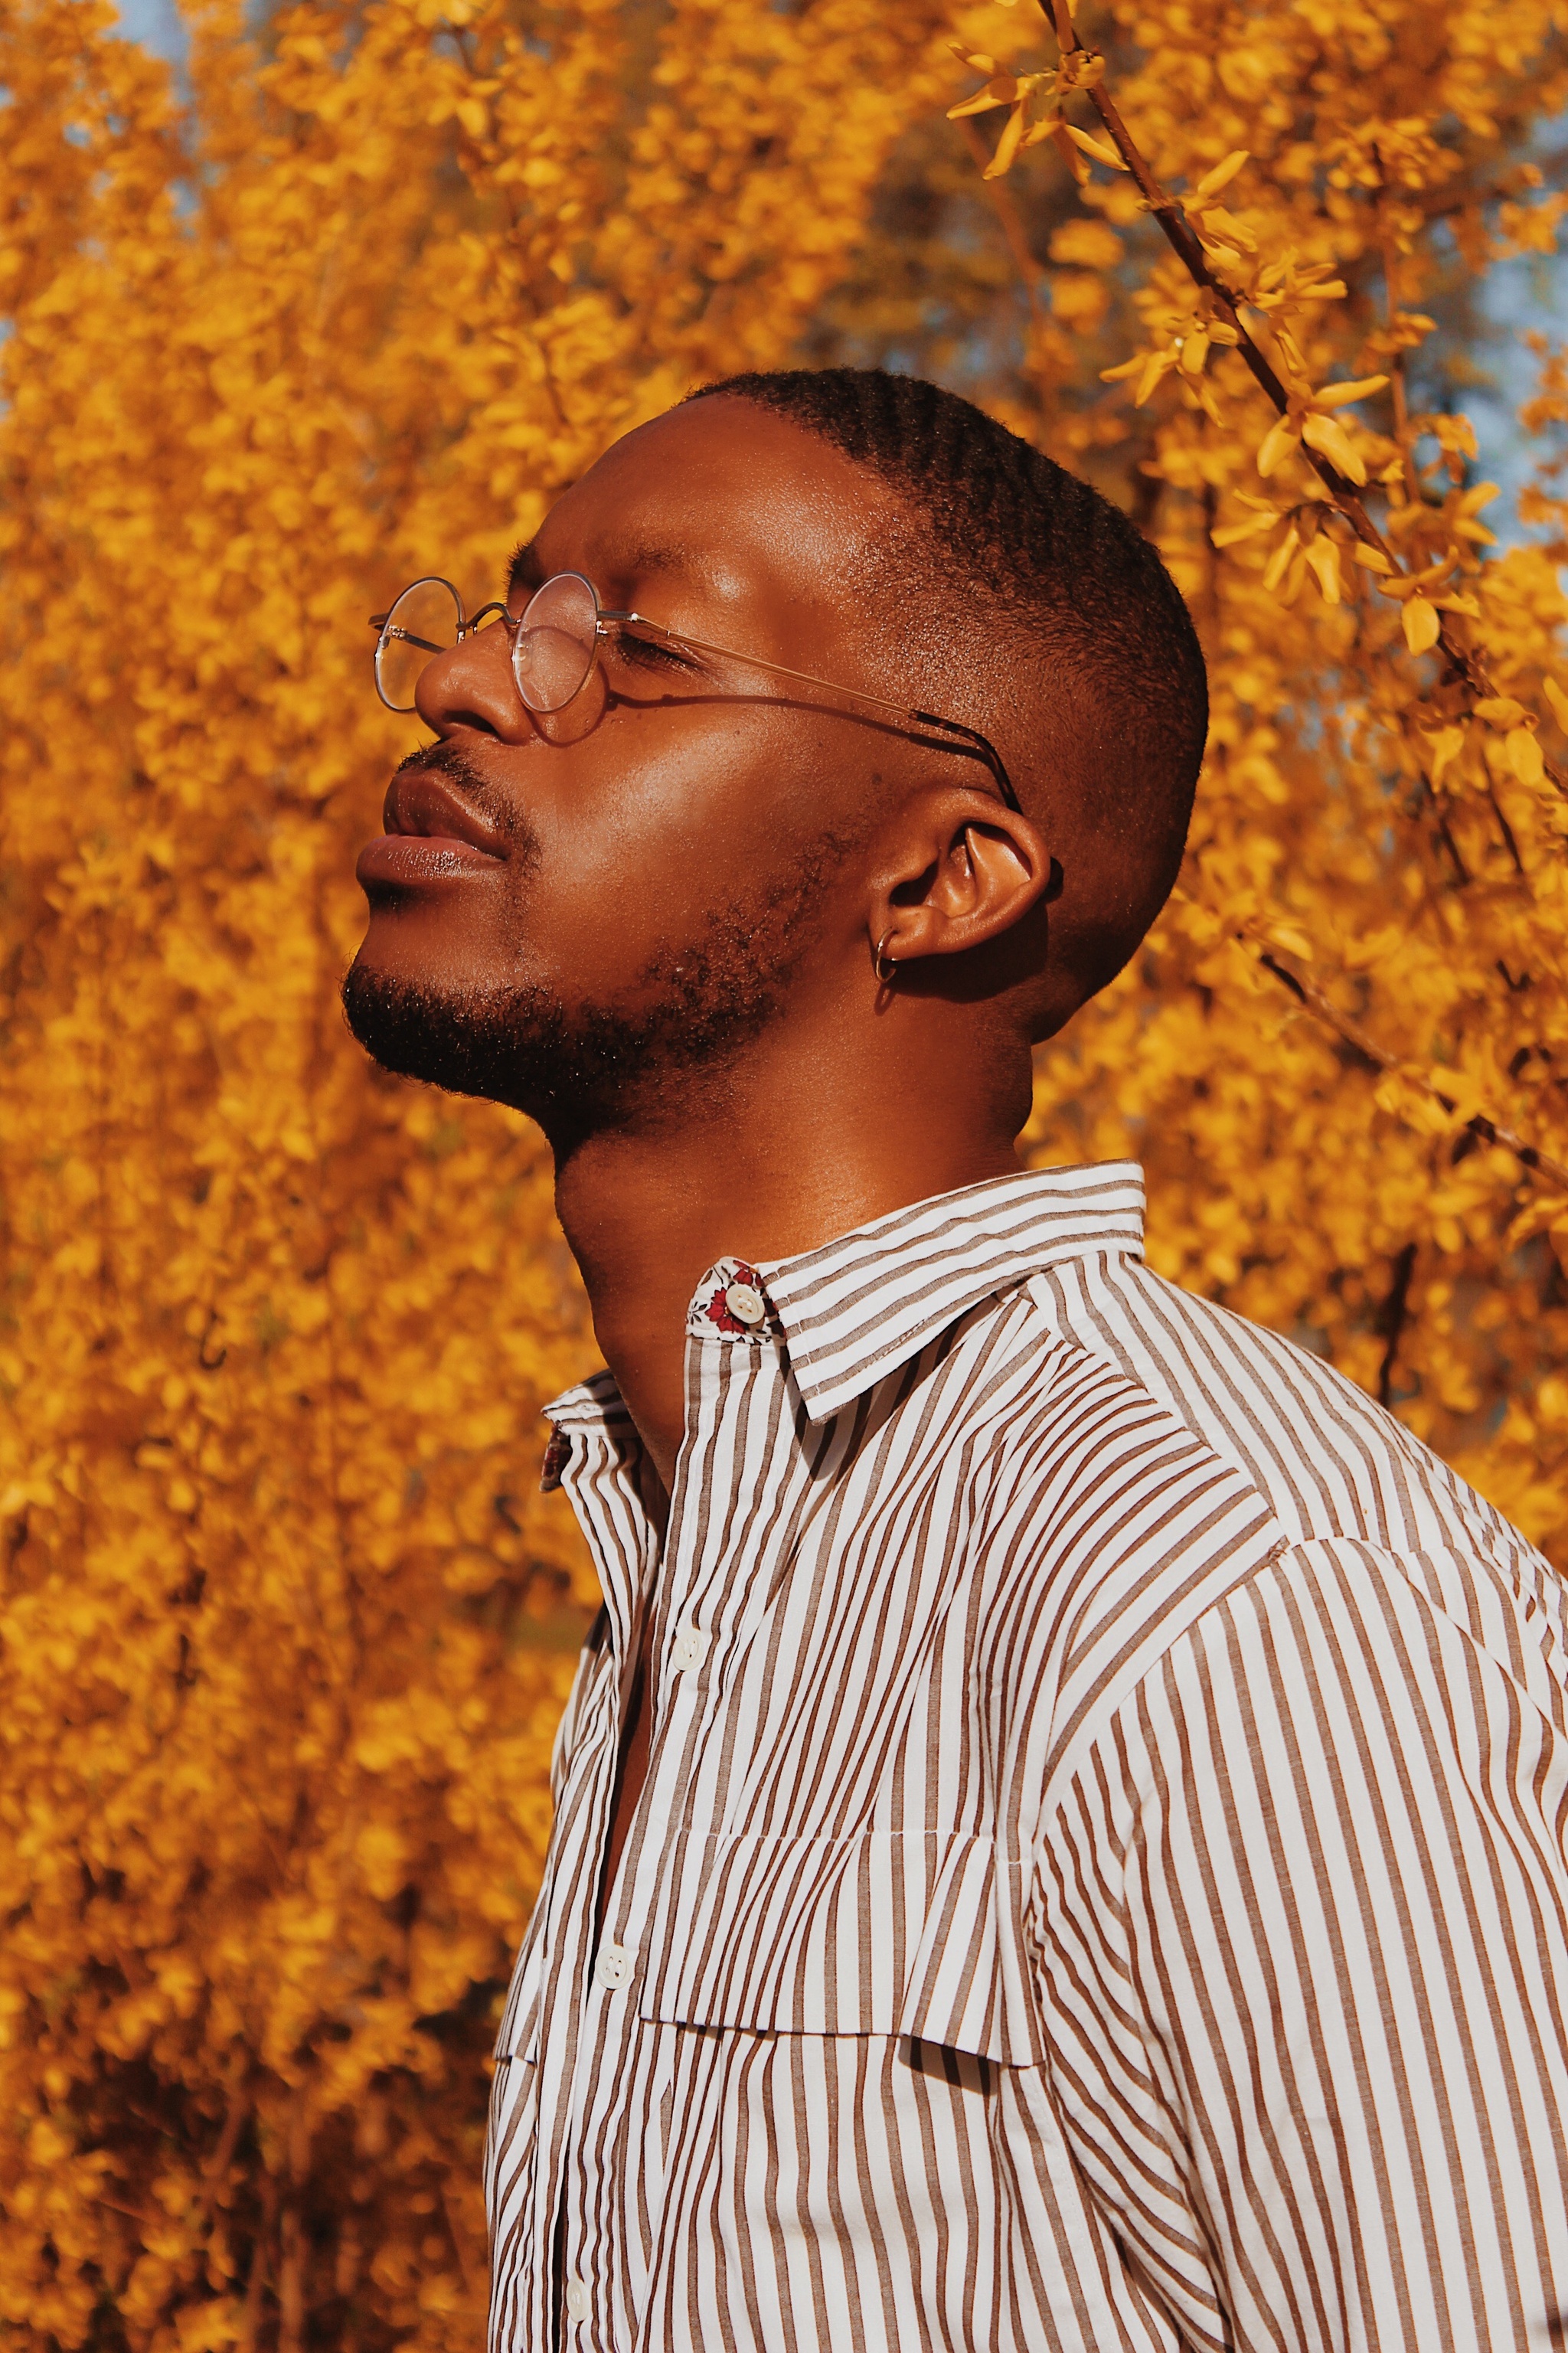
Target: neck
758, 1163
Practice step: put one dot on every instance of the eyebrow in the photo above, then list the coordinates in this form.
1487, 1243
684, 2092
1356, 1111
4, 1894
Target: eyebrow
524, 571
645, 558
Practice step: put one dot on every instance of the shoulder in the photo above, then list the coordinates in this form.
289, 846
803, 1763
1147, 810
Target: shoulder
1164, 1454
1326, 1458
1392, 1710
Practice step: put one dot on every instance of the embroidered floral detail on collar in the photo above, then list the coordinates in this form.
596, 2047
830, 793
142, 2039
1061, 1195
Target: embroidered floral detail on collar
557, 1455
732, 1297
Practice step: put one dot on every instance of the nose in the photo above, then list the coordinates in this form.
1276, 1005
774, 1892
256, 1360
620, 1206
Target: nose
471, 685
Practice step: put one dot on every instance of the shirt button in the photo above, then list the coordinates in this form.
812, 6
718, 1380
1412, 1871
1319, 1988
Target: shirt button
612, 1968
688, 1649
745, 1303
576, 2300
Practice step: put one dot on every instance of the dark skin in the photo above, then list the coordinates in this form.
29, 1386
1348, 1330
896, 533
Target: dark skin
641, 799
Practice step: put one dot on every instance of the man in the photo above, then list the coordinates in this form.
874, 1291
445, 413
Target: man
1058, 1832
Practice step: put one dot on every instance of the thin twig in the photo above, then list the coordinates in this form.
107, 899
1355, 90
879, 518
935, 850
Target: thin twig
216, 2170
1398, 389
1484, 1129
1396, 1312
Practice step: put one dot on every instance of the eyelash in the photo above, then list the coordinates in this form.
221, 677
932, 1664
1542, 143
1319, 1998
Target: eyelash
648, 651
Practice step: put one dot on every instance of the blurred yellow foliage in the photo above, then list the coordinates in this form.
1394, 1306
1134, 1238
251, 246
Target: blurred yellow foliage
284, 1626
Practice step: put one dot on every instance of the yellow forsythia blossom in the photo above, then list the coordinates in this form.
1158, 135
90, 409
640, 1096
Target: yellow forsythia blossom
1343, 1054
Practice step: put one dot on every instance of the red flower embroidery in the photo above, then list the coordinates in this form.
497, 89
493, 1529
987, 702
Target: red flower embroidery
717, 1310
557, 1454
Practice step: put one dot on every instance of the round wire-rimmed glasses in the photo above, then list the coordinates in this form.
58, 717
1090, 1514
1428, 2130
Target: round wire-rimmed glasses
558, 638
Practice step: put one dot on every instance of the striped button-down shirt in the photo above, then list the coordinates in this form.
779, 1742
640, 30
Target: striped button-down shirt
1100, 1881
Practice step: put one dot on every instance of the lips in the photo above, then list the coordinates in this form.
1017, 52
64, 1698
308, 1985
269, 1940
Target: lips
433, 835
420, 803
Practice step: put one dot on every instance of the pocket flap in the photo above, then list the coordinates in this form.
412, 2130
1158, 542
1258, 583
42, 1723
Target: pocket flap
884, 1933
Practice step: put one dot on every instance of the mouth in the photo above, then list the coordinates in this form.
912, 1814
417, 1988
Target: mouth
432, 834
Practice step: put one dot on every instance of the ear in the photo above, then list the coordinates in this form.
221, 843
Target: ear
958, 871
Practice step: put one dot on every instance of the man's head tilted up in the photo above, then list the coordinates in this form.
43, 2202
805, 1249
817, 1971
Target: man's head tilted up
772, 948
676, 885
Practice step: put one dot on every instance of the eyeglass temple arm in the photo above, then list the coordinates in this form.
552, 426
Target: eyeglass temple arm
988, 750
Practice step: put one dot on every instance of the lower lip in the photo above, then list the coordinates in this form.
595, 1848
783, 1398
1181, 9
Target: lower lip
398, 860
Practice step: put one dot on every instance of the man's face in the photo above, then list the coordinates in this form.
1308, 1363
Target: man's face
564, 910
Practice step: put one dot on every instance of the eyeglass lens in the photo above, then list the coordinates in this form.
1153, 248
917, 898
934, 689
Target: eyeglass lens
553, 649
556, 641
425, 621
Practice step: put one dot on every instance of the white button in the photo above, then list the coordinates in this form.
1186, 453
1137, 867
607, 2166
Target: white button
745, 1303
576, 2300
688, 1649
613, 1966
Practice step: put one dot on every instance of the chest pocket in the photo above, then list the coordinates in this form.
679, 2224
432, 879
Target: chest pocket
886, 1933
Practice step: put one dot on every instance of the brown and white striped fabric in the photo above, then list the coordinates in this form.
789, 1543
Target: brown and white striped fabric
1100, 1880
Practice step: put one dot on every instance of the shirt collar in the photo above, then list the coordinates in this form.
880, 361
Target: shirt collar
857, 1309
594, 1403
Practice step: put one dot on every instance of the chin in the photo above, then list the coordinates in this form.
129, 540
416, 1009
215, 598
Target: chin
503, 1044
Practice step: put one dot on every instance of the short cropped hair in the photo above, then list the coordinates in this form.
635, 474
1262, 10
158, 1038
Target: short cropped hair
1111, 706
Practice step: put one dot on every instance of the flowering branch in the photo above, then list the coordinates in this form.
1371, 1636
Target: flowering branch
1306, 421
1482, 1125
1186, 243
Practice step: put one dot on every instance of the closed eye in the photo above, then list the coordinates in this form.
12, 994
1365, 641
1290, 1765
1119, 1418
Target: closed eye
651, 653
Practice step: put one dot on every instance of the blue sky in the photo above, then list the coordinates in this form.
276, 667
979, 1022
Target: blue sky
156, 22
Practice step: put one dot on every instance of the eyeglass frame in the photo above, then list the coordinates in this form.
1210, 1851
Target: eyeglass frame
470, 624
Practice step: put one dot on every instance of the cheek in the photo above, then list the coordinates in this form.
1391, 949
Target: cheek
659, 825
657, 839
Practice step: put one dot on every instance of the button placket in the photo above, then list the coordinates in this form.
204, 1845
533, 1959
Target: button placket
686, 1570
587, 1783
702, 1591
626, 1902
715, 1598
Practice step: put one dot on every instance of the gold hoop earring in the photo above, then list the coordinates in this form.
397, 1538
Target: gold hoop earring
881, 958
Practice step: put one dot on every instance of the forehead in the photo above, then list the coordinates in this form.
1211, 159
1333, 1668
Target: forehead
725, 501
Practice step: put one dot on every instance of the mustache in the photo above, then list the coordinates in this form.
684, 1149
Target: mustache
452, 762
